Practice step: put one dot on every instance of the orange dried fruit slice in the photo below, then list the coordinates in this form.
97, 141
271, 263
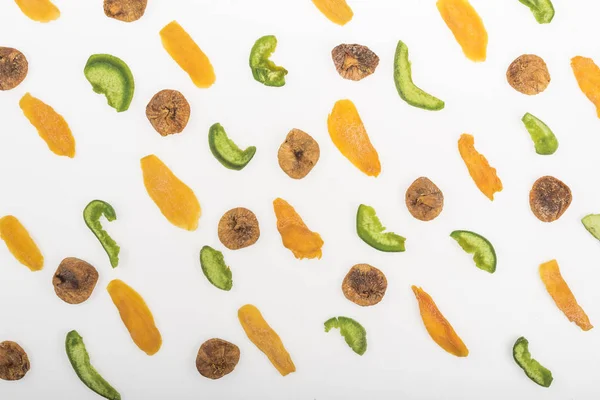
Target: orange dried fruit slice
349, 135
20, 243
466, 26
587, 74
51, 126
337, 11
483, 174
39, 10
295, 235
176, 201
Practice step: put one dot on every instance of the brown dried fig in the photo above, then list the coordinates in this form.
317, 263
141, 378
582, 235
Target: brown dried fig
424, 199
217, 358
354, 61
549, 198
238, 228
168, 112
125, 10
13, 68
364, 285
14, 363
528, 74
298, 154
74, 280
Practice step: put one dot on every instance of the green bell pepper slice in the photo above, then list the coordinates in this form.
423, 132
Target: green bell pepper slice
264, 70
353, 332
91, 215
533, 369
483, 252
80, 360
215, 269
371, 231
407, 90
110, 76
226, 151
542, 10
592, 224
543, 138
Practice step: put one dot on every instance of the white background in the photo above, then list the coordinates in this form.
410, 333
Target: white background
48, 194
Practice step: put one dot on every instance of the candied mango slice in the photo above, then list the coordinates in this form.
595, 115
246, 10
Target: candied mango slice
438, 326
265, 338
337, 11
175, 199
295, 235
480, 170
182, 48
136, 316
562, 295
587, 74
466, 26
20, 243
51, 126
39, 10
349, 135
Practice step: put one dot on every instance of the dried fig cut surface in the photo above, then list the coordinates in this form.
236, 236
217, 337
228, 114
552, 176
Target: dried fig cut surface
364, 285
528, 74
238, 228
549, 198
74, 280
298, 154
125, 10
13, 68
14, 363
354, 61
217, 358
424, 199
168, 112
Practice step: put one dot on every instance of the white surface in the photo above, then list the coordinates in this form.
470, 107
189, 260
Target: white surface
48, 194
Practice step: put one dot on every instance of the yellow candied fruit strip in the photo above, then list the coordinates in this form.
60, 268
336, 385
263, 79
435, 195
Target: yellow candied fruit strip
20, 243
587, 74
481, 172
295, 235
466, 26
337, 11
39, 10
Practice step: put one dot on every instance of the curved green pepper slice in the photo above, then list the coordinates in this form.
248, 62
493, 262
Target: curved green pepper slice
542, 10
371, 231
91, 215
543, 138
407, 90
110, 76
353, 332
483, 252
80, 360
215, 269
533, 369
264, 70
226, 151
592, 224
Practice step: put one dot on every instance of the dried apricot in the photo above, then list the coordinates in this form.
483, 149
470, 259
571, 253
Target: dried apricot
549, 198
217, 358
481, 172
74, 280
354, 61
238, 228
424, 200
466, 26
298, 154
528, 74
295, 235
364, 285
587, 74
125, 10
13, 68
14, 363
168, 112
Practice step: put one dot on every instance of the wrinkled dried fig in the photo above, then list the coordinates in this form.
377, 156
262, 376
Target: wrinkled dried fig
74, 280
549, 198
13, 68
238, 228
14, 363
125, 10
424, 199
354, 61
168, 112
217, 358
364, 285
528, 74
298, 154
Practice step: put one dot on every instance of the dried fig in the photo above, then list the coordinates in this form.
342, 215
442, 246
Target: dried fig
354, 61
125, 10
424, 199
364, 285
298, 154
217, 358
168, 112
14, 363
74, 280
238, 228
13, 68
549, 198
528, 74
